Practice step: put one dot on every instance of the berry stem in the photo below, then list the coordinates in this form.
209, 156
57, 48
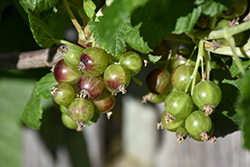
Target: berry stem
216, 34
199, 57
214, 19
231, 42
63, 42
81, 35
243, 52
202, 69
81, 13
207, 58
137, 81
189, 59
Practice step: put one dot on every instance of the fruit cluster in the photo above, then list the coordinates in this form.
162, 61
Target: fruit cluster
185, 113
88, 82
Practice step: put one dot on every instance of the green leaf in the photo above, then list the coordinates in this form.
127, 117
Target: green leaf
158, 18
213, 8
45, 84
48, 27
151, 58
186, 23
33, 110
114, 25
38, 5
234, 69
89, 8
112, 41
134, 39
225, 118
243, 109
33, 113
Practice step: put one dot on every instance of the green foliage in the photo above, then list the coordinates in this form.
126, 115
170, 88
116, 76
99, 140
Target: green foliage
48, 27
133, 38
212, 8
185, 24
243, 109
33, 110
111, 38
89, 8
38, 5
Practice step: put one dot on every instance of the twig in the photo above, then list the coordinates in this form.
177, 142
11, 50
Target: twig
30, 60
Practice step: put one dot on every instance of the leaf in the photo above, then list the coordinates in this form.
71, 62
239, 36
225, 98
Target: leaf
89, 8
243, 108
151, 58
33, 113
33, 110
186, 23
225, 118
134, 39
48, 27
213, 8
234, 69
45, 84
38, 5
158, 18
109, 33
115, 44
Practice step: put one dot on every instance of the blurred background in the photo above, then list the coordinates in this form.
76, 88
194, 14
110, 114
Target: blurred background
129, 139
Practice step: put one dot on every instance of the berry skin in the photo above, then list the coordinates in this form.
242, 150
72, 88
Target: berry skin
181, 76
68, 122
207, 95
93, 61
73, 55
132, 61
154, 98
105, 102
179, 104
64, 73
116, 78
63, 94
90, 87
199, 125
158, 81
176, 62
81, 111
181, 134
173, 125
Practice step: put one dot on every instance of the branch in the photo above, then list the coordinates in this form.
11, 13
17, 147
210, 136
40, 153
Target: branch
32, 59
243, 52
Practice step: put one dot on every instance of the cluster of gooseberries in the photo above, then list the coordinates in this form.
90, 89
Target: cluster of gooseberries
186, 113
88, 82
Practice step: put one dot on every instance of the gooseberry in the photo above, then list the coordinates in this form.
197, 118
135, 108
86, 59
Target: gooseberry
199, 125
158, 81
93, 61
116, 78
207, 95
